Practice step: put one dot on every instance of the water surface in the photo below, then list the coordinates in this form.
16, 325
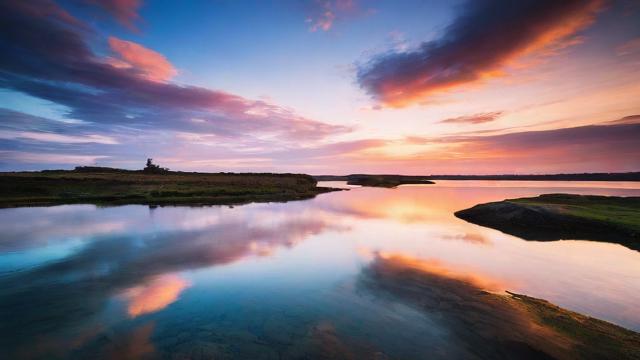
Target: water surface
284, 280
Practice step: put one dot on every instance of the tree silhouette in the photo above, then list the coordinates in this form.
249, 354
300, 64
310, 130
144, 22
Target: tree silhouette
153, 168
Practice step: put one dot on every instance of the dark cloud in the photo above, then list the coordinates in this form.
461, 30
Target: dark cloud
125, 11
621, 139
485, 36
606, 147
473, 119
631, 119
46, 54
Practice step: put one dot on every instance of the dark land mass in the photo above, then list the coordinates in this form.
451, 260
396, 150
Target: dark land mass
387, 181
498, 324
629, 176
108, 186
563, 216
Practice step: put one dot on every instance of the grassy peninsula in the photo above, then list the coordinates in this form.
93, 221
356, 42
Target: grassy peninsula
108, 186
563, 216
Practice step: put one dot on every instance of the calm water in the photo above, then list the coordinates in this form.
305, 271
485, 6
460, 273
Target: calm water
283, 280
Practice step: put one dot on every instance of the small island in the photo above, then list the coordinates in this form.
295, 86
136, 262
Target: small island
563, 216
385, 181
392, 181
153, 185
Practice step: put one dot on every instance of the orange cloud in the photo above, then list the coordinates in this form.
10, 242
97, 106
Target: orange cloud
148, 63
484, 39
155, 295
440, 269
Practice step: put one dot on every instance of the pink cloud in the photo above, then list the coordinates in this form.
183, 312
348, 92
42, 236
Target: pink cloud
324, 13
150, 64
131, 87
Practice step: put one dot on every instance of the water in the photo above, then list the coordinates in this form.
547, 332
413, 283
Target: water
284, 280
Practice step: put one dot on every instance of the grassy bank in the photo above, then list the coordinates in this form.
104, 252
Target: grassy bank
114, 187
591, 338
563, 216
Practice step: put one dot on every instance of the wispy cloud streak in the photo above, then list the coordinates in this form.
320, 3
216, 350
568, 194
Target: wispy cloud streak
473, 119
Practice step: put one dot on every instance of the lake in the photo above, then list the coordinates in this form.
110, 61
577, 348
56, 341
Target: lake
285, 280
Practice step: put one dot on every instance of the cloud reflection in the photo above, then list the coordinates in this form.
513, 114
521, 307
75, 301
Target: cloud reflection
482, 324
155, 295
140, 266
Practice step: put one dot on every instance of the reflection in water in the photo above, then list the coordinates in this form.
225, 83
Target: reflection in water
493, 326
468, 237
135, 345
283, 280
155, 295
68, 292
436, 267
484, 326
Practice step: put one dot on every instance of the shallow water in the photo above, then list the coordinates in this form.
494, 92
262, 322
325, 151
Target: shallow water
284, 280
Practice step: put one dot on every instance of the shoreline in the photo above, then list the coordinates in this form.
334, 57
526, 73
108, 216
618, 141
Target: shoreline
627, 176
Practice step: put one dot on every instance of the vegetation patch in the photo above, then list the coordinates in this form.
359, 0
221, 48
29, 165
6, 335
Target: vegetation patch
153, 185
386, 181
563, 216
592, 338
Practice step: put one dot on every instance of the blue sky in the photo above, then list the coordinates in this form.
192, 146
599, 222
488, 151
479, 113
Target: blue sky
322, 86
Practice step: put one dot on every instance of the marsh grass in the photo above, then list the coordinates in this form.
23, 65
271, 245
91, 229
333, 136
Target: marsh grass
136, 187
592, 338
622, 212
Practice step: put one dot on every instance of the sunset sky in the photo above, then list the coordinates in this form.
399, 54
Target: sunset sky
321, 87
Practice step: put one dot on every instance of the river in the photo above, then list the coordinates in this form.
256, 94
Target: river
284, 280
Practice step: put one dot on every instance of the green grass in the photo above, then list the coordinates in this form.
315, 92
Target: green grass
563, 216
135, 187
623, 212
593, 338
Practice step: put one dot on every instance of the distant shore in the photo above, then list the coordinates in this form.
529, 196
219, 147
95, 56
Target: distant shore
107, 186
384, 181
627, 176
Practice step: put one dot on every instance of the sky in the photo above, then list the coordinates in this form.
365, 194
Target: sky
322, 86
